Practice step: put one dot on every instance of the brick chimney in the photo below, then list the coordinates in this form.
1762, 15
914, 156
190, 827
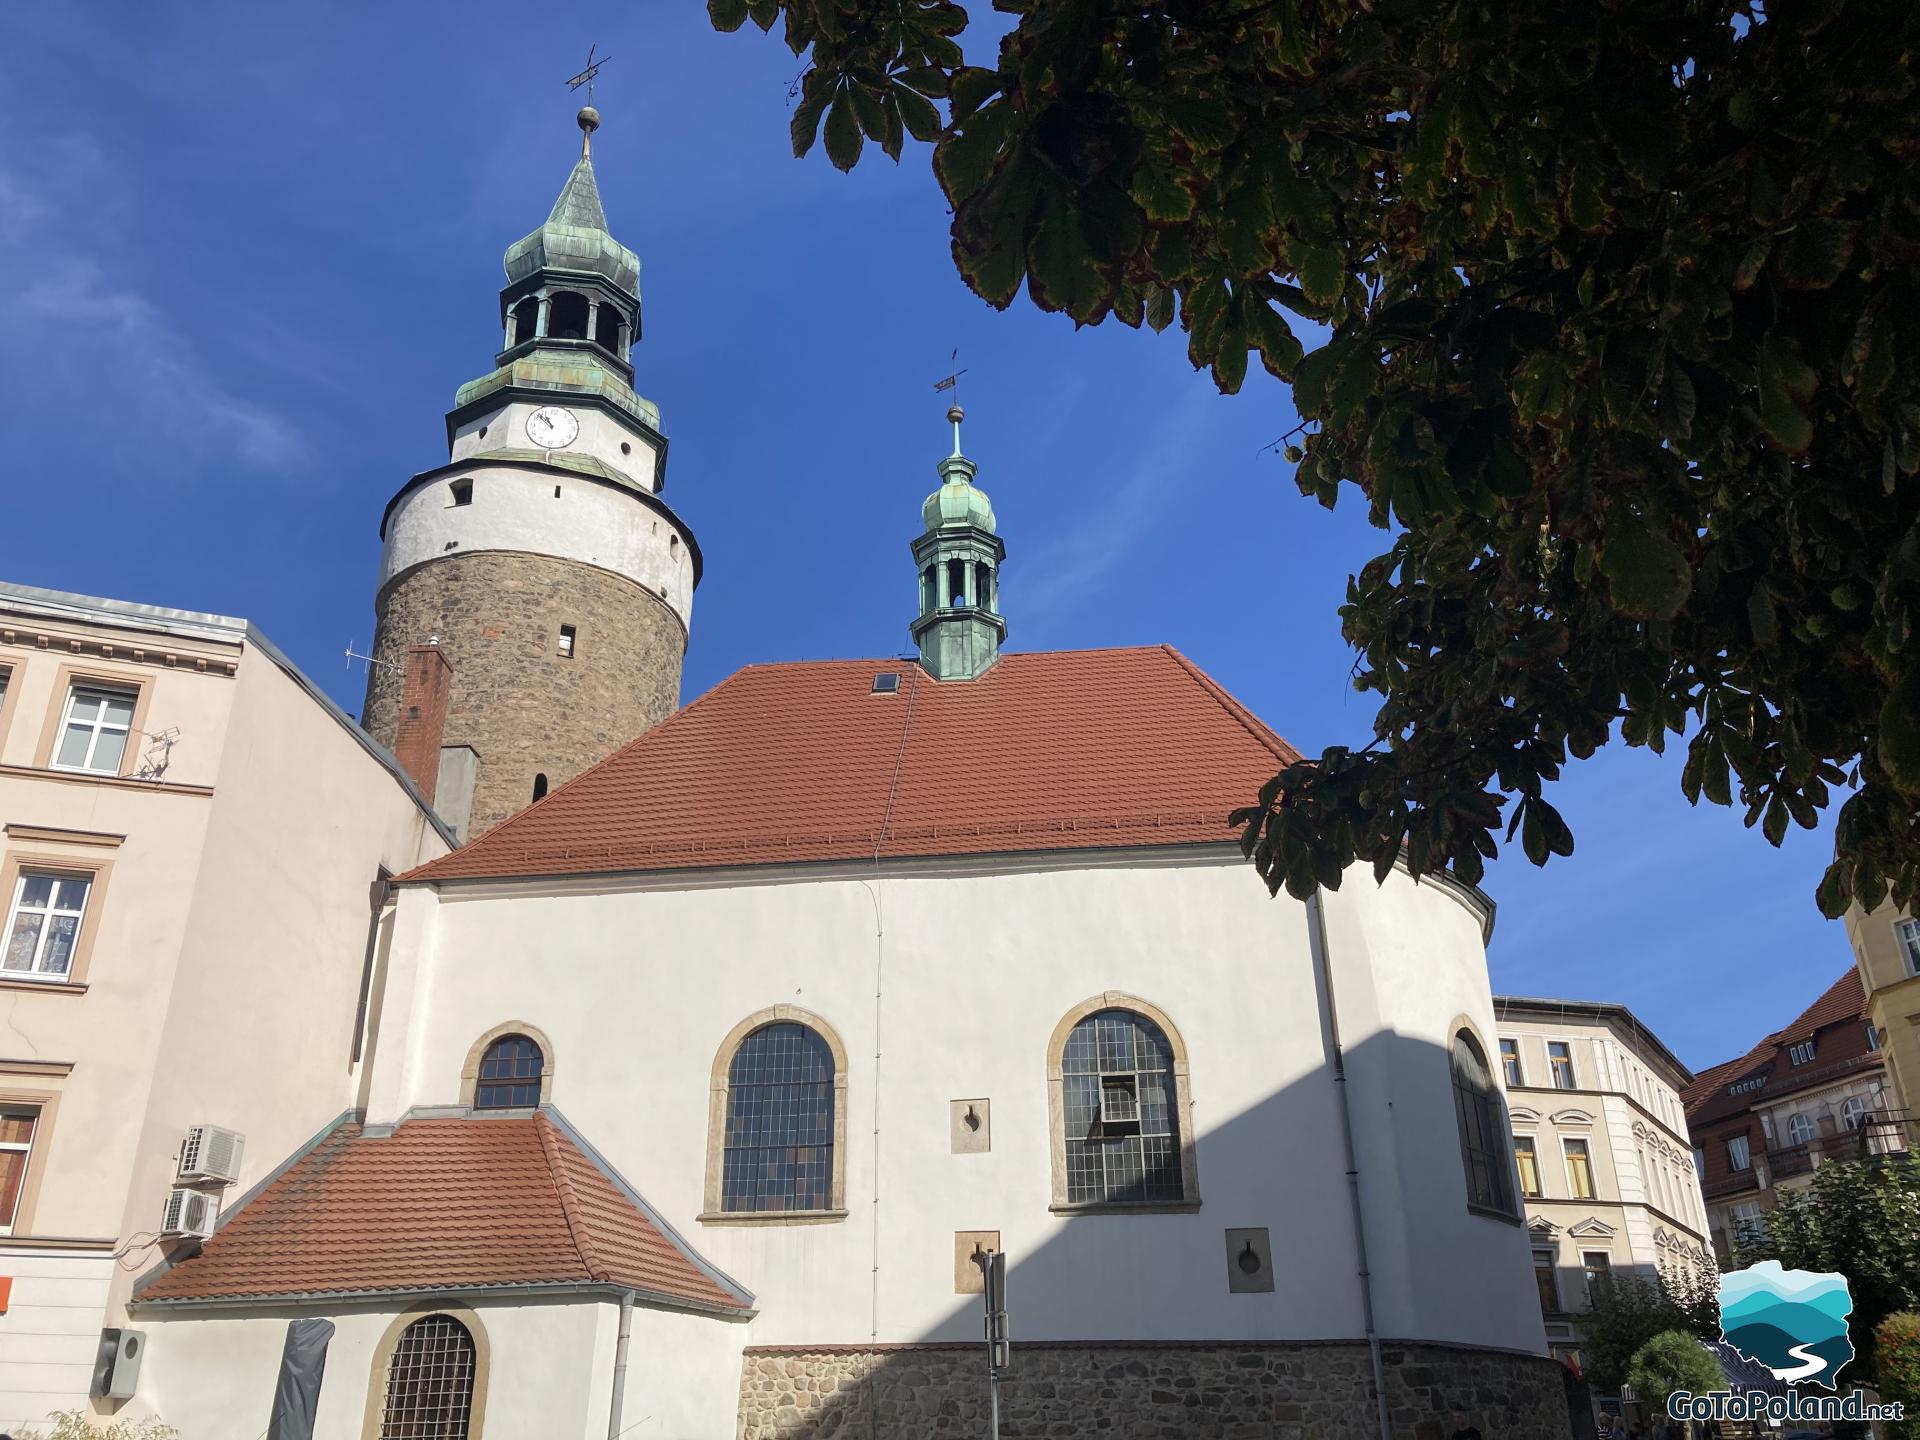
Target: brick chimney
425, 688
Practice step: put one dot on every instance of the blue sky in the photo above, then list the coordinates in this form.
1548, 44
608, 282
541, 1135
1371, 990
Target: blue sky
260, 248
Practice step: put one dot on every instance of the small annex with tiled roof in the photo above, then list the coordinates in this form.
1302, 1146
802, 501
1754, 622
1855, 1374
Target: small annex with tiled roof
830, 760
446, 1206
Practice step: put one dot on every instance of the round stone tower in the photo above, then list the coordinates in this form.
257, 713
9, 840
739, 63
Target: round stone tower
535, 591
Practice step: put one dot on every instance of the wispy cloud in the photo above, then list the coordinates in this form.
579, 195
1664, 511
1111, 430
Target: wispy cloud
1069, 570
88, 339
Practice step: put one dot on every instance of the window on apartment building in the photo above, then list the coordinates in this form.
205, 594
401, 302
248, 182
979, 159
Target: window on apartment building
1799, 1129
1598, 1266
1483, 1130
1546, 1282
1560, 1062
5, 674
43, 924
1907, 932
1801, 1054
1527, 1159
1579, 1169
94, 729
1853, 1112
1738, 1156
510, 1072
17, 1124
1699, 1164
1873, 1032
430, 1382
1748, 1222
1510, 1061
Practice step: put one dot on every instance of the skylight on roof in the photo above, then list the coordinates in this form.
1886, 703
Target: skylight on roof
887, 682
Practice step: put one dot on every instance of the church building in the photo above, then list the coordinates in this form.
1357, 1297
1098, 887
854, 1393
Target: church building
695, 1091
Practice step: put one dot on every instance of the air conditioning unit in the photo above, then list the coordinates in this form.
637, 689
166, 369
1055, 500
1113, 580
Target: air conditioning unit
190, 1213
116, 1370
210, 1155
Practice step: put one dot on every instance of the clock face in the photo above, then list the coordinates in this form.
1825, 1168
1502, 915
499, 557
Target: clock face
552, 427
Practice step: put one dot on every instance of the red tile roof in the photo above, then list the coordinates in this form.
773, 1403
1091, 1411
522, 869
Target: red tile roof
444, 1205
1066, 749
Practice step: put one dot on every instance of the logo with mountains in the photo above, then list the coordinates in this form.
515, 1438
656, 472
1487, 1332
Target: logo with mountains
1794, 1322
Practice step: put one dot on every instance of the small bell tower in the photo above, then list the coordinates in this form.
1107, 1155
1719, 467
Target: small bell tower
959, 629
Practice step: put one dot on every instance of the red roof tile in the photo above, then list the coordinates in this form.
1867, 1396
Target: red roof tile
443, 1205
781, 763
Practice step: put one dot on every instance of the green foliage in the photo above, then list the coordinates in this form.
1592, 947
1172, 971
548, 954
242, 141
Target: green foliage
1629, 1311
1861, 1218
1670, 1361
1897, 1343
1616, 297
73, 1425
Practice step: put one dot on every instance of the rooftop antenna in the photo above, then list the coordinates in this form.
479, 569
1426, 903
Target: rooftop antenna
589, 117
952, 382
353, 655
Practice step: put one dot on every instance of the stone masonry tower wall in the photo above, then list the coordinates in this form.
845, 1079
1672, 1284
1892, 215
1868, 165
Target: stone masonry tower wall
540, 560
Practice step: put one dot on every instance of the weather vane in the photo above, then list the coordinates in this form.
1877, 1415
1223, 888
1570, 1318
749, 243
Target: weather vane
952, 382
585, 77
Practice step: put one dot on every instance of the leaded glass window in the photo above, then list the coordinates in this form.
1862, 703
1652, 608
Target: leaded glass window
778, 1151
429, 1394
1483, 1131
1123, 1130
509, 1076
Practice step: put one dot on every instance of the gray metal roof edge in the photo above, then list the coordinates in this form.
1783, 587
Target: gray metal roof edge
1599, 1009
203, 625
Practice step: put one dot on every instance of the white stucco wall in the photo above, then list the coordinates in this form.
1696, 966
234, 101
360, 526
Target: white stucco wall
50, 1334
601, 436
968, 974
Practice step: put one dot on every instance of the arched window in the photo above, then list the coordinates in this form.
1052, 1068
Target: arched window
510, 1072
1117, 1079
1799, 1129
779, 1149
540, 786
1853, 1110
567, 316
526, 320
1483, 1131
429, 1389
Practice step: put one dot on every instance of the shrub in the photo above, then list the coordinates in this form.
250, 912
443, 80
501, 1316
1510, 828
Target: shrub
1898, 1352
1672, 1361
73, 1425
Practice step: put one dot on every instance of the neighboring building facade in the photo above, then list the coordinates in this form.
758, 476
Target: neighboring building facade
1809, 1094
1886, 950
540, 561
1600, 1144
744, 1044
193, 837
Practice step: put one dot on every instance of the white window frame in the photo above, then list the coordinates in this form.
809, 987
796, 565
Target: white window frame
1510, 1067
100, 726
1556, 1069
1800, 1128
1747, 1215
1906, 933
1802, 1053
24, 1149
1744, 1162
1853, 1112
1567, 1142
48, 912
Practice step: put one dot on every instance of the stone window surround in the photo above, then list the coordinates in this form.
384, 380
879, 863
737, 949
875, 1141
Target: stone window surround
711, 1212
1182, 1107
91, 675
10, 673
46, 1102
470, 1069
97, 870
390, 1341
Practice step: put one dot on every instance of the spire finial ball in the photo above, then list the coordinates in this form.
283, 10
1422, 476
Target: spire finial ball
956, 414
588, 118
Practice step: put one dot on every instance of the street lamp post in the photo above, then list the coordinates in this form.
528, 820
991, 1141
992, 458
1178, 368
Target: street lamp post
993, 1275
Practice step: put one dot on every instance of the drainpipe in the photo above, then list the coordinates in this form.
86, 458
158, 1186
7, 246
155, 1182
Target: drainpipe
1330, 1034
620, 1365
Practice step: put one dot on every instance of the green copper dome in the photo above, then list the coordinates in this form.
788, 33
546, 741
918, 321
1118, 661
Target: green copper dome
959, 501
576, 238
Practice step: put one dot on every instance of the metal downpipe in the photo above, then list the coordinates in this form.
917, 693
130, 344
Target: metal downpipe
620, 1366
1330, 1030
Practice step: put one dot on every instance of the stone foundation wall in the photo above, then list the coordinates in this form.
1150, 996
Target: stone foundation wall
523, 707
1147, 1392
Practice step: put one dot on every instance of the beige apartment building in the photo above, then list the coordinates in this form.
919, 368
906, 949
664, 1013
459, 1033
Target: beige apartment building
1600, 1145
195, 840
1886, 951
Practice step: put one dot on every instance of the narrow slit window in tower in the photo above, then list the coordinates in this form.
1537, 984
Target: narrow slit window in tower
926, 590
606, 330
566, 642
540, 786
462, 492
957, 584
